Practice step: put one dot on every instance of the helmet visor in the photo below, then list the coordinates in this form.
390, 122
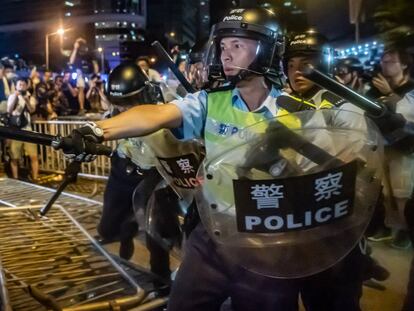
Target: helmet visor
228, 56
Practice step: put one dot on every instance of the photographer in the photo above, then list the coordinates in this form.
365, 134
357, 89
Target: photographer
95, 95
71, 92
44, 92
390, 86
19, 106
59, 101
394, 80
348, 71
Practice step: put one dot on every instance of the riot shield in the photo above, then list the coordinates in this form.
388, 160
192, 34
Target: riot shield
177, 162
164, 219
292, 196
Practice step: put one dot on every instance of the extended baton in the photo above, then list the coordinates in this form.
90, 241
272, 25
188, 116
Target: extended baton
56, 142
162, 53
327, 83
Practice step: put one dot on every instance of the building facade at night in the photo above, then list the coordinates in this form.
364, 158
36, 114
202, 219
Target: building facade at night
105, 24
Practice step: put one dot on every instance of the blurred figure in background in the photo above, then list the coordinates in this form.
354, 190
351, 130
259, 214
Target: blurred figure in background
83, 62
348, 71
71, 92
11, 77
4, 90
144, 63
389, 87
394, 80
44, 90
96, 95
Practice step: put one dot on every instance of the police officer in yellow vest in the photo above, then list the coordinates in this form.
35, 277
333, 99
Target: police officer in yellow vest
245, 49
309, 47
343, 283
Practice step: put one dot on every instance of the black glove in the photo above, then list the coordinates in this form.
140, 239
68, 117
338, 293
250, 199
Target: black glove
91, 132
83, 144
399, 133
388, 122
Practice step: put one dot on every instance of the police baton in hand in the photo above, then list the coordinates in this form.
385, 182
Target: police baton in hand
57, 142
393, 126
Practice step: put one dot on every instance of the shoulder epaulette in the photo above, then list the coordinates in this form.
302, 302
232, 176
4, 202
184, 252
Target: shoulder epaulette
293, 104
335, 100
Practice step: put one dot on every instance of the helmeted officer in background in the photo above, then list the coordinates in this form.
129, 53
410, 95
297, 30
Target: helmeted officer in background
343, 283
246, 50
309, 47
134, 181
130, 167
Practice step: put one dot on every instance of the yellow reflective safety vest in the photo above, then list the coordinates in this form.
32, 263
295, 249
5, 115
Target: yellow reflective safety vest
224, 120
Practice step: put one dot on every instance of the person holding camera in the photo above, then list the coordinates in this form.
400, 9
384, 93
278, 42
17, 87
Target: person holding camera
44, 92
348, 71
19, 107
95, 95
389, 87
70, 91
394, 80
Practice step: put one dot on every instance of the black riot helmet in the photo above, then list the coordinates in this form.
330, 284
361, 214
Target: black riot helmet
197, 51
310, 43
258, 24
349, 63
128, 85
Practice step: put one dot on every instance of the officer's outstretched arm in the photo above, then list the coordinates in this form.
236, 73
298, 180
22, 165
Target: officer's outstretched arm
140, 121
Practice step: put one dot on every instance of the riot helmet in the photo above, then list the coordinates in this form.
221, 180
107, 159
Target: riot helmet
308, 47
313, 44
258, 26
128, 86
197, 51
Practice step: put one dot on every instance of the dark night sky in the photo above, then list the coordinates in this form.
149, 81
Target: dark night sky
332, 20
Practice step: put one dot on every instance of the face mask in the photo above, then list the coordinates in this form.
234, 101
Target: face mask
9, 75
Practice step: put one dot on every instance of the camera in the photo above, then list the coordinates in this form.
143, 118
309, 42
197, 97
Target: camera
371, 72
23, 93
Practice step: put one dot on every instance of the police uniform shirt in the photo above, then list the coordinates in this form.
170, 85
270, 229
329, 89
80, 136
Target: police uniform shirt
194, 111
346, 111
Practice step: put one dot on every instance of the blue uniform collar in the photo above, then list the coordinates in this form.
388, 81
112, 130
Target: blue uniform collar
269, 105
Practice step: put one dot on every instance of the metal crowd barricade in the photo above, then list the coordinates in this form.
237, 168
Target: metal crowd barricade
53, 263
54, 161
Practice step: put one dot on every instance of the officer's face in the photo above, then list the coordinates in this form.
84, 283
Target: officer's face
236, 54
297, 81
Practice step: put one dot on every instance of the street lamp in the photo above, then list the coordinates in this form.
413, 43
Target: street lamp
101, 51
60, 32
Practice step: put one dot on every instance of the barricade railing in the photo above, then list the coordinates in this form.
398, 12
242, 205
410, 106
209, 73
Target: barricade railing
51, 160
